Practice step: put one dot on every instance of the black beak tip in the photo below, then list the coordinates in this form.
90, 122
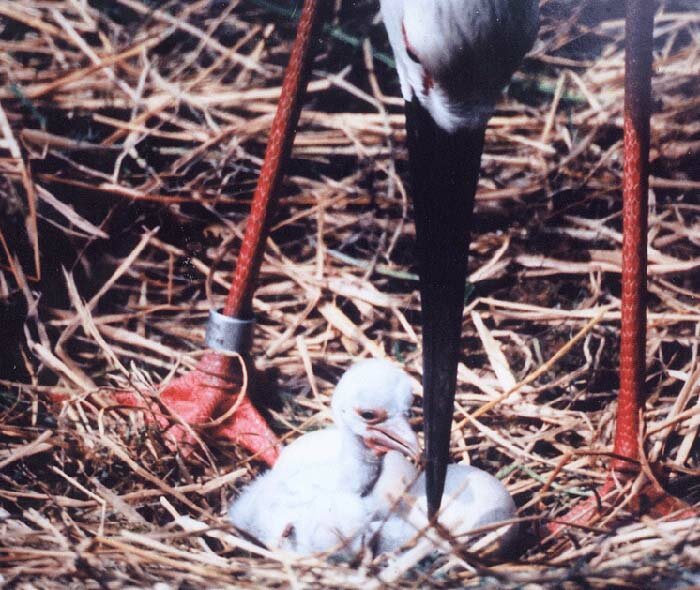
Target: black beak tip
433, 506
435, 471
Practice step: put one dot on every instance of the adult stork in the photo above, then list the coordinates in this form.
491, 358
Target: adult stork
453, 58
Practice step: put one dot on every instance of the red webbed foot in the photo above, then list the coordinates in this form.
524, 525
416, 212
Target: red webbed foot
210, 397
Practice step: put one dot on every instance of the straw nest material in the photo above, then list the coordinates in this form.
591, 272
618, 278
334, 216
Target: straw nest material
131, 134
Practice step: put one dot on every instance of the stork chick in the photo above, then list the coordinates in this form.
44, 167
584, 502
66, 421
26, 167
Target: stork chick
472, 499
320, 492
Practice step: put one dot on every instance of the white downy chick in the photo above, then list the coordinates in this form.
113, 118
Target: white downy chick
319, 495
472, 499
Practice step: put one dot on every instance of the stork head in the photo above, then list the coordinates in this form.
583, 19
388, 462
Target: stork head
455, 56
372, 400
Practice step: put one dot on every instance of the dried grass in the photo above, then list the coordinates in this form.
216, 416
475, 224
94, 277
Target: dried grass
130, 139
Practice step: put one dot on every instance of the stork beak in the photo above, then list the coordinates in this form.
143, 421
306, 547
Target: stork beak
397, 435
444, 169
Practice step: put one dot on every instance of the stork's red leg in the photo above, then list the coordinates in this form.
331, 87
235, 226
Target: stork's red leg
639, 22
637, 111
639, 25
238, 302
199, 396
213, 389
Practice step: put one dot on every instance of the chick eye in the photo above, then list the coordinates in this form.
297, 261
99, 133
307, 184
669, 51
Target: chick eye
372, 416
368, 415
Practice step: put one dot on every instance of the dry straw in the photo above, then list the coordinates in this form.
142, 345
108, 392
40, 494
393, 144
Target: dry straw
130, 137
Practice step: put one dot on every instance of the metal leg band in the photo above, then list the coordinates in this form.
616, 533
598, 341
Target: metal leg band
227, 334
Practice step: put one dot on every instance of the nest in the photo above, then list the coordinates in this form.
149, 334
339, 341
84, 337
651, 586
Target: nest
131, 134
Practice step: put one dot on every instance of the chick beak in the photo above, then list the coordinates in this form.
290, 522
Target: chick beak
394, 435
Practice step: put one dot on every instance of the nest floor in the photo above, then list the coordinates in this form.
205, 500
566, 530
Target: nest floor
131, 136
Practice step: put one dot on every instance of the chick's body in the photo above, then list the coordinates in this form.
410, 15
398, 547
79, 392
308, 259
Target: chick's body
320, 494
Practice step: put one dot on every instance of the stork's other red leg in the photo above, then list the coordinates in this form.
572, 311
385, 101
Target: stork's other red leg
639, 26
279, 145
637, 109
639, 23
213, 389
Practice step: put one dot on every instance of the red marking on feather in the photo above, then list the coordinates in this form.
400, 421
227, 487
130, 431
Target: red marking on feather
428, 82
409, 48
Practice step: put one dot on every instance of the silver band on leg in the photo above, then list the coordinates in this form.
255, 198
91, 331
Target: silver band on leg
227, 334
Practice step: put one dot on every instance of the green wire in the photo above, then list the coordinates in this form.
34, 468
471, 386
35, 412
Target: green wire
28, 104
